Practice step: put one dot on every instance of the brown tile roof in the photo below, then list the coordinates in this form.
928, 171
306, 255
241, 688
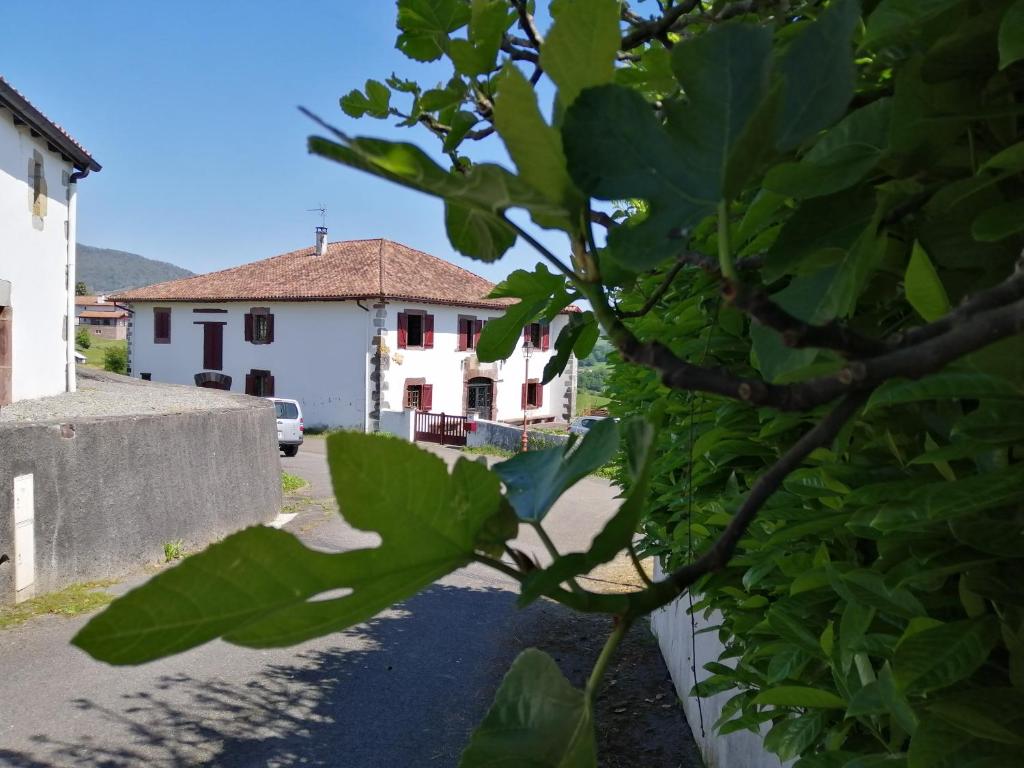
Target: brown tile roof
352, 269
27, 112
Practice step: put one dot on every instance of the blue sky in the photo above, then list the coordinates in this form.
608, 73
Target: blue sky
191, 109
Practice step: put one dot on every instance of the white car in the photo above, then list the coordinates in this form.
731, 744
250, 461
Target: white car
290, 426
582, 424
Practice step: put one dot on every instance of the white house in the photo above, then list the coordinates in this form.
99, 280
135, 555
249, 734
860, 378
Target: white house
349, 329
40, 165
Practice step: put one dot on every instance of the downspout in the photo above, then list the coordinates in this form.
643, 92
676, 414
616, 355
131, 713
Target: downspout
70, 382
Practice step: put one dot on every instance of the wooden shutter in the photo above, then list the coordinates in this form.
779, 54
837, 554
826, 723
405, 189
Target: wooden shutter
526, 332
270, 332
250, 382
428, 331
248, 331
545, 337
161, 325
478, 326
464, 332
427, 397
213, 346
269, 386
540, 394
526, 396
403, 330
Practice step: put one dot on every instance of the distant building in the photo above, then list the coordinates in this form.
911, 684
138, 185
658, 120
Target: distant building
350, 329
101, 318
40, 165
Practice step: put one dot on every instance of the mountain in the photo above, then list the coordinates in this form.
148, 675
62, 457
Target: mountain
104, 270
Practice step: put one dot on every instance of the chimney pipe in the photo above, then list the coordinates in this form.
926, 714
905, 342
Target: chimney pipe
321, 241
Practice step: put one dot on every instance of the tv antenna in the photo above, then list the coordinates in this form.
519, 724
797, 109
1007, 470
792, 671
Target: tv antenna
323, 214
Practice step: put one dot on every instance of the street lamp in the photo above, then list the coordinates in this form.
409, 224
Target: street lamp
527, 353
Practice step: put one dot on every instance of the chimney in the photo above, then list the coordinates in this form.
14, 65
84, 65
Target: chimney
321, 241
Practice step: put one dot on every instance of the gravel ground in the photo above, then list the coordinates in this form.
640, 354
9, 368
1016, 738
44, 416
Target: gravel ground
101, 394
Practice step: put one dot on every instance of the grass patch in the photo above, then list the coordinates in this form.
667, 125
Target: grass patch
98, 348
174, 550
587, 401
291, 483
489, 450
76, 599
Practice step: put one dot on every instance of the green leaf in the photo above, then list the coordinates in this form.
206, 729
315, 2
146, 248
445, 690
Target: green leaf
790, 738
983, 712
538, 719
617, 532
1000, 222
1011, 35
477, 234
487, 189
580, 334
487, 23
533, 289
941, 656
895, 19
534, 146
462, 122
947, 385
426, 24
580, 48
257, 588
867, 587
841, 158
937, 745
924, 289
616, 149
724, 74
799, 696
818, 75
535, 480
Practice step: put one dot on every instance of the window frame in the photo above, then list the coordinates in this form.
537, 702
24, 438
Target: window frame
161, 312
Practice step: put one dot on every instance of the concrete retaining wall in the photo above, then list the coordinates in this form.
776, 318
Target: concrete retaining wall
674, 630
510, 438
399, 423
109, 492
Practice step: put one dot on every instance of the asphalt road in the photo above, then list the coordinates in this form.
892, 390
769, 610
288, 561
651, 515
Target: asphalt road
404, 689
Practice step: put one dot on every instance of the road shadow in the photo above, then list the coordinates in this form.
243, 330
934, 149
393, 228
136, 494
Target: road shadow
405, 689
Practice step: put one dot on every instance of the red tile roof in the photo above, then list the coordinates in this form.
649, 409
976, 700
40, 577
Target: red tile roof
352, 269
104, 313
14, 100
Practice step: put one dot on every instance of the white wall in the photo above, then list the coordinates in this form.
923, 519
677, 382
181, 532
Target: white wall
443, 366
319, 355
683, 650
33, 257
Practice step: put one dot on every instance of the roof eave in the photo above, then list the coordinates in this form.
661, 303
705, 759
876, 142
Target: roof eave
46, 128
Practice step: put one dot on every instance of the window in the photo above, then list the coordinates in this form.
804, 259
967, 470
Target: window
538, 335
469, 332
533, 394
415, 330
418, 394
259, 326
38, 186
213, 346
261, 384
286, 410
161, 325
146, 376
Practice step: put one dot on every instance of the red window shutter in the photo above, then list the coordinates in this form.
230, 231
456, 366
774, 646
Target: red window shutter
478, 326
427, 397
545, 337
403, 330
526, 332
213, 346
161, 325
248, 328
270, 329
250, 383
463, 334
540, 394
428, 331
526, 396
269, 388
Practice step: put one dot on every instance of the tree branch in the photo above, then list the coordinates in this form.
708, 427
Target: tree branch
527, 23
796, 333
655, 297
656, 28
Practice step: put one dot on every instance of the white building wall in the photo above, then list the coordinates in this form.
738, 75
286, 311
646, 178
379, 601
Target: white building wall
443, 366
319, 355
34, 259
